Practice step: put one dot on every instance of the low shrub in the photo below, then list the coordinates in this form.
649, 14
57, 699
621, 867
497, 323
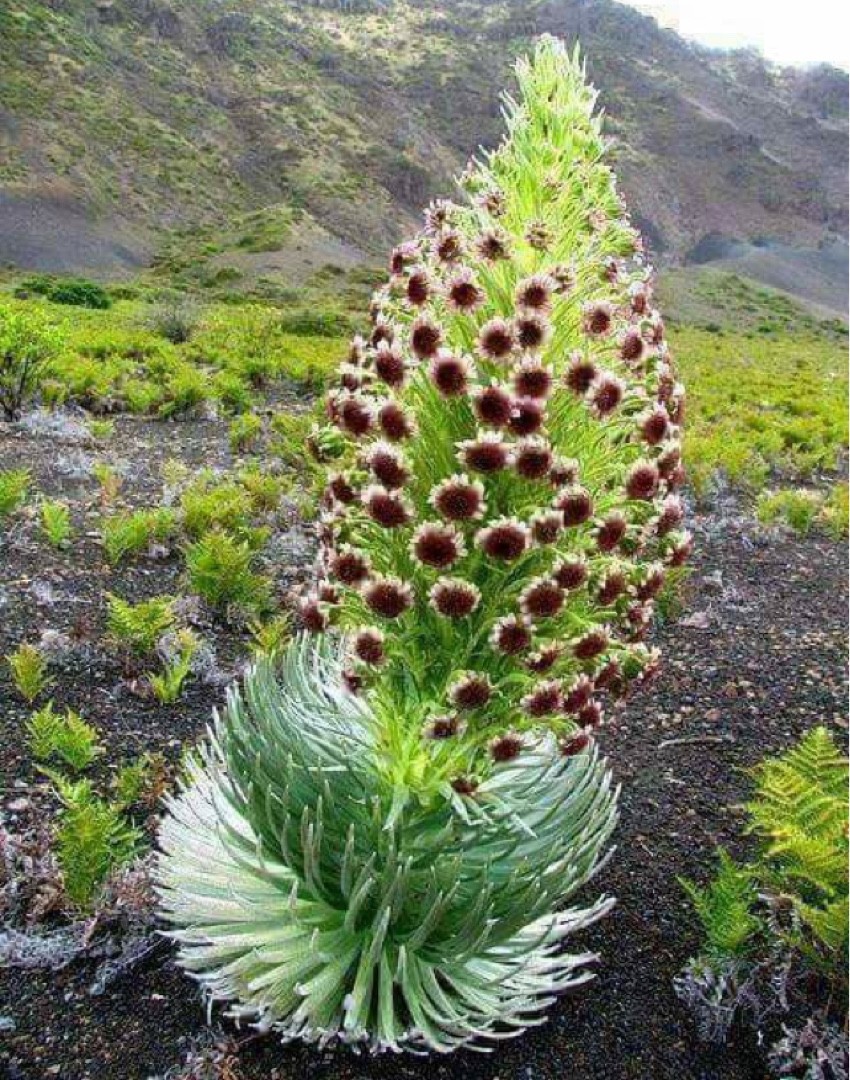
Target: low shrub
77, 292
28, 343
174, 319
797, 508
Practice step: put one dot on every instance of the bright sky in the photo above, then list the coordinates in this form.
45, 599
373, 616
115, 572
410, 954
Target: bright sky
785, 31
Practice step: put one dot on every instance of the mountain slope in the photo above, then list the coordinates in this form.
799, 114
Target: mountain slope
123, 120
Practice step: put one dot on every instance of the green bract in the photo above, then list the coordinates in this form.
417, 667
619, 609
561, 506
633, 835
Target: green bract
378, 840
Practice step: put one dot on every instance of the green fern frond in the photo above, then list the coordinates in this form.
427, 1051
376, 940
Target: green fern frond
726, 908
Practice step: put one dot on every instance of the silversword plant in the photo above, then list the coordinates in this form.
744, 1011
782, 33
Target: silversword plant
379, 839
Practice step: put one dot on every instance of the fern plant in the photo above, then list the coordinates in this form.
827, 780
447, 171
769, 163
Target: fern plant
93, 839
56, 522
29, 670
379, 841
138, 627
220, 570
168, 685
67, 737
14, 487
786, 907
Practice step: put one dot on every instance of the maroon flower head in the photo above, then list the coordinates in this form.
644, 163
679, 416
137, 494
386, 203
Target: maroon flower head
382, 331
611, 531
575, 744
605, 393
532, 379
652, 583
642, 480
369, 645
506, 747
541, 599
544, 699
454, 598
351, 377
493, 406
544, 659
389, 364
533, 459
547, 526
448, 246
639, 297
463, 293
356, 415
535, 293
597, 318
527, 416
632, 346
510, 635
681, 550
570, 573
442, 727
591, 645
539, 236
426, 337
438, 214
402, 256
504, 540
419, 287
564, 471
578, 695
654, 425
576, 505
388, 597
387, 508
669, 460
387, 464
564, 278
580, 374
611, 677
591, 715
458, 498
341, 488
496, 340
493, 201
350, 566
612, 587
313, 614
437, 545
449, 373
493, 245
395, 422
465, 785
353, 680
486, 454
531, 331
671, 516
471, 691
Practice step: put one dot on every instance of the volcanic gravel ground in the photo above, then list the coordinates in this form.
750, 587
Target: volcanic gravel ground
756, 657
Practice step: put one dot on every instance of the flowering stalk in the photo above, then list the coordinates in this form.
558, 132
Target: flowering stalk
502, 508
379, 839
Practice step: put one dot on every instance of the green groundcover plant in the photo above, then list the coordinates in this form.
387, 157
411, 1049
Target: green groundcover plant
380, 837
